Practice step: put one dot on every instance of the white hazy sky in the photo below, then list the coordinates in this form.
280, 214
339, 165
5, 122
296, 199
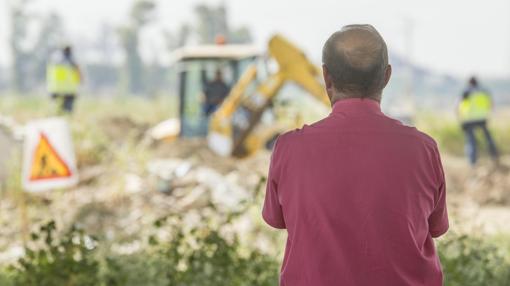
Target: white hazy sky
459, 37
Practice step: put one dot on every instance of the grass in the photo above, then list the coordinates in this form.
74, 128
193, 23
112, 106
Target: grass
446, 130
96, 122
29, 107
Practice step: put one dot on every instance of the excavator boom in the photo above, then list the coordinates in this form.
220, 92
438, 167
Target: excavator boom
233, 128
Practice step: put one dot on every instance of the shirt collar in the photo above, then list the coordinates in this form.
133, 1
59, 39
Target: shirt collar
357, 106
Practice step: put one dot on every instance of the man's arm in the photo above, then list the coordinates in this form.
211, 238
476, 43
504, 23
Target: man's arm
272, 211
438, 219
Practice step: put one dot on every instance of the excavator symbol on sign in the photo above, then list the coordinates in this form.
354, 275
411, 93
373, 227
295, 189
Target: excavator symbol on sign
47, 164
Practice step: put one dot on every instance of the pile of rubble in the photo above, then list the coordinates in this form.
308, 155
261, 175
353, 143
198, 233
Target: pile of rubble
486, 184
490, 185
119, 201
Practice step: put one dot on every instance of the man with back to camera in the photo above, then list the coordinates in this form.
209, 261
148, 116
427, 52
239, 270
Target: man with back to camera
360, 194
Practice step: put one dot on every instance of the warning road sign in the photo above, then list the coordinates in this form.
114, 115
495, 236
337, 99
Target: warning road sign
47, 163
49, 160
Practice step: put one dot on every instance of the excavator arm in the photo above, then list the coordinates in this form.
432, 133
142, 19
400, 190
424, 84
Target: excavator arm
234, 128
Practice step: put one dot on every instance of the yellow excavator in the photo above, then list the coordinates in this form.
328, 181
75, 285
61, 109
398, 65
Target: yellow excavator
237, 128
245, 121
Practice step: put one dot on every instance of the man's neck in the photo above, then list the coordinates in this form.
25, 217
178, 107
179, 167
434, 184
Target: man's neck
338, 96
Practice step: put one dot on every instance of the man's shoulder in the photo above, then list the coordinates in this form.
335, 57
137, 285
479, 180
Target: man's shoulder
297, 133
420, 136
427, 139
284, 138
291, 138
294, 136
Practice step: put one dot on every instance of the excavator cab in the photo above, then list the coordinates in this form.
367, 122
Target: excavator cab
195, 66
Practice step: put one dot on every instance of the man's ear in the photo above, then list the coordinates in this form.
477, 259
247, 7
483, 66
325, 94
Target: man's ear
327, 81
387, 75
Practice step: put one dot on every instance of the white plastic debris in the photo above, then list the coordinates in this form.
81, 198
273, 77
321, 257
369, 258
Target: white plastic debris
166, 130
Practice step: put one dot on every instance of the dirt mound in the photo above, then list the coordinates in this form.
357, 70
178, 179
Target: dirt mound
197, 151
118, 127
486, 183
490, 185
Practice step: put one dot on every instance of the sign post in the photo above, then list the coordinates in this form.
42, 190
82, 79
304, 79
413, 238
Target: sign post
48, 156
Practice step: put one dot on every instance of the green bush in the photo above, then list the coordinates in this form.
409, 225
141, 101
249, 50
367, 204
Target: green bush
204, 255
6, 278
67, 260
473, 261
189, 258
192, 258
210, 260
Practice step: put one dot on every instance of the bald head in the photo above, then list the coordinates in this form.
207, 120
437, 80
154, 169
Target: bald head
355, 62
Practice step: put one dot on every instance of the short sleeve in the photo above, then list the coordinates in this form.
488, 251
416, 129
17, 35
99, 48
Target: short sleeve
272, 210
438, 219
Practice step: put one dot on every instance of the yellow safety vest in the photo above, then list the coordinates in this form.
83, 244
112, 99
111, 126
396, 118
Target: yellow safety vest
62, 78
475, 107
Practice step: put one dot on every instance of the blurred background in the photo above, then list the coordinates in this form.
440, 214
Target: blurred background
167, 193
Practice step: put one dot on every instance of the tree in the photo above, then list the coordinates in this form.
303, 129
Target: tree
19, 33
47, 42
30, 51
241, 35
213, 21
179, 38
103, 73
141, 15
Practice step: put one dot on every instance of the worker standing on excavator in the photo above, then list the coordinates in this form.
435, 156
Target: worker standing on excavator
63, 78
473, 111
215, 91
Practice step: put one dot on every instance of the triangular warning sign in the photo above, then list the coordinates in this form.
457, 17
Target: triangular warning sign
46, 163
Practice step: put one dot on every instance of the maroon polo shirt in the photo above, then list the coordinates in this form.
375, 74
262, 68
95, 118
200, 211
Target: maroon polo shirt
361, 197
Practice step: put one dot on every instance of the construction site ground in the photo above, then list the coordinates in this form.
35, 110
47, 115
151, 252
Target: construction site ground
127, 181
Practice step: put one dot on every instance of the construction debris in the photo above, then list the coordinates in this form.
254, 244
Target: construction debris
119, 199
167, 130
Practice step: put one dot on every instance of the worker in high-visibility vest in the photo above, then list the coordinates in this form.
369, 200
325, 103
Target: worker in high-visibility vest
63, 78
473, 111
